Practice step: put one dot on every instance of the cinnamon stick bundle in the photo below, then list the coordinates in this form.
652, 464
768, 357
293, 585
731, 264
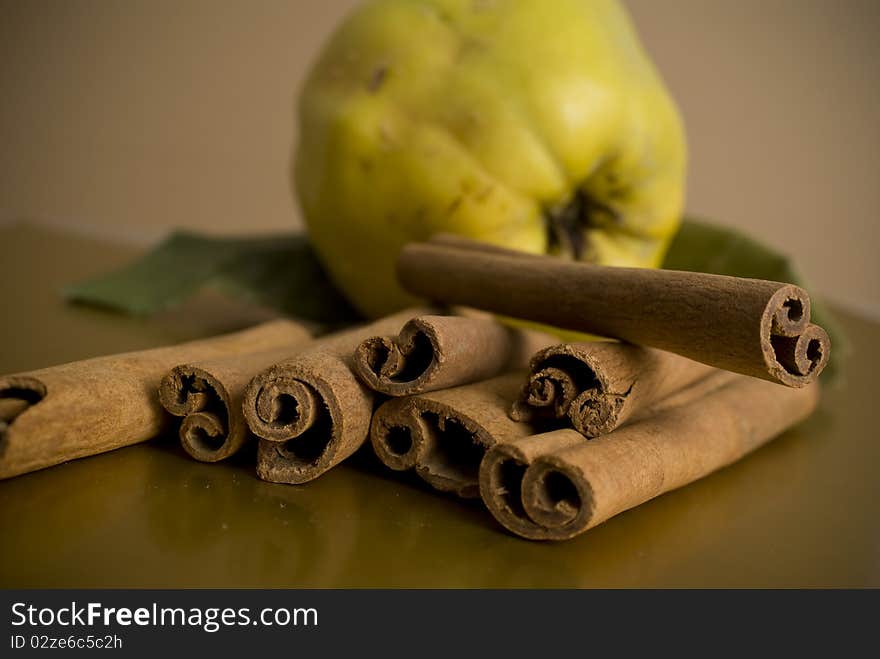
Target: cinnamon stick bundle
209, 396
556, 485
52, 415
437, 352
601, 385
749, 326
310, 411
444, 434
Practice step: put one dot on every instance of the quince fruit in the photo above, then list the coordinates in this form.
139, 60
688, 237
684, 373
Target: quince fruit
537, 125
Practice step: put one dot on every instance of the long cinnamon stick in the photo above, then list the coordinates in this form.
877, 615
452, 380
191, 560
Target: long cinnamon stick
556, 485
600, 385
52, 415
444, 434
209, 395
748, 326
310, 410
437, 352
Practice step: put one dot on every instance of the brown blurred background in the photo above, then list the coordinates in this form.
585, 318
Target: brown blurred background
125, 119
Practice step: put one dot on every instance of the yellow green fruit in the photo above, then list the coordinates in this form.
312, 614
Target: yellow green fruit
538, 125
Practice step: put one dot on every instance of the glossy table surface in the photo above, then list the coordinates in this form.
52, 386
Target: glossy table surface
803, 511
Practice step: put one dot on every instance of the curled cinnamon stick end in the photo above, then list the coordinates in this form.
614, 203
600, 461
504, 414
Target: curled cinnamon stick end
444, 435
555, 486
795, 350
598, 386
438, 352
747, 326
208, 431
17, 394
208, 393
311, 411
501, 478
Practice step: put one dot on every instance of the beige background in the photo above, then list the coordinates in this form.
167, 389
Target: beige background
128, 118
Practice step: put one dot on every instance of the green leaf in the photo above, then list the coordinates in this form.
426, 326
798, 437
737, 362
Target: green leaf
703, 247
281, 272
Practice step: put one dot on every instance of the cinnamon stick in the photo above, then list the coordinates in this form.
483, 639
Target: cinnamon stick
556, 485
444, 434
598, 386
52, 415
209, 395
749, 326
310, 411
437, 352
